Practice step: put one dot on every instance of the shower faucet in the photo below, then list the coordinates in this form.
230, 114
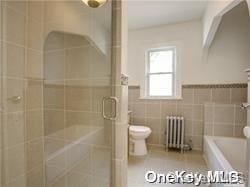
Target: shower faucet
245, 105
15, 99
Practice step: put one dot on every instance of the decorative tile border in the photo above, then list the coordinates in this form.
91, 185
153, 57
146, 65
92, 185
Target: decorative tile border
134, 87
203, 86
234, 85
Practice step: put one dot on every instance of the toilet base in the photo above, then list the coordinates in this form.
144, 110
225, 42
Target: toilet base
137, 147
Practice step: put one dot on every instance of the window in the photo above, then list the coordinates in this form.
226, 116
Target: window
160, 72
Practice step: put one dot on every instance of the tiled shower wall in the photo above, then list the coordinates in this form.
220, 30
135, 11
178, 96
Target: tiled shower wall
22, 89
24, 27
74, 85
152, 113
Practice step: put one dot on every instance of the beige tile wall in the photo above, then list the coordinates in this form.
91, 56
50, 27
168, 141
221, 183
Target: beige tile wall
224, 120
152, 113
22, 75
70, 88
73, 97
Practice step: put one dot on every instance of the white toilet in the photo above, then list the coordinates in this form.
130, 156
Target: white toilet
137, 137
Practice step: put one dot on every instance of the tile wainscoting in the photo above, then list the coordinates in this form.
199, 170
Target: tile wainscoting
224, 120
225, 99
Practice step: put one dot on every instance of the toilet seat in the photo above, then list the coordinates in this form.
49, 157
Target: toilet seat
139, 129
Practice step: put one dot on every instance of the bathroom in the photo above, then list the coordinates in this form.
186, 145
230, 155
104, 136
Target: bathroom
97, 93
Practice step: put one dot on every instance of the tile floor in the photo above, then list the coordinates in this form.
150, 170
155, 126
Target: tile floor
162, 162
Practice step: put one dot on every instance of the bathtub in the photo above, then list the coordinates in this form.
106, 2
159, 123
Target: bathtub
225, 154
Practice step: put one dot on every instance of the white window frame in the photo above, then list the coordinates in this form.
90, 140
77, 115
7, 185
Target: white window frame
173, 49
176, 46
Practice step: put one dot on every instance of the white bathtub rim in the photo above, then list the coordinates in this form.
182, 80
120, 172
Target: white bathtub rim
218, 154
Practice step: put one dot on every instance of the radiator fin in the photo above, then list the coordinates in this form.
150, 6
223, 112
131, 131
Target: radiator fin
175, 132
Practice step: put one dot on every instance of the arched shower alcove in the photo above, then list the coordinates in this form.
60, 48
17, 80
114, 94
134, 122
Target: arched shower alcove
77, 139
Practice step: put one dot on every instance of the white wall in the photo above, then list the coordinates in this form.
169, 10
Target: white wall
229, 54
248, 3
76, 18
188, 35
214, 10
224, 62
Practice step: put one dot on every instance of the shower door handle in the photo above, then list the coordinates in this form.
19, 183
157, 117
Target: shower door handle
115, 100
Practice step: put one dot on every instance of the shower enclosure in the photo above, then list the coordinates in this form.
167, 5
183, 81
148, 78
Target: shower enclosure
55, 71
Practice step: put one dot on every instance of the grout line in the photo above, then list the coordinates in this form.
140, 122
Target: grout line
211, 95
213, 112
68, 48
160, 124
234, 126
230, 95
192, 110
21, 46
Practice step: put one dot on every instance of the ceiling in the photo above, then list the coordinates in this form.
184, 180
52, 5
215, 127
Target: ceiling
149, 13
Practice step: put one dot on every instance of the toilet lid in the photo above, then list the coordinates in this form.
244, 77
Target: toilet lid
138, 128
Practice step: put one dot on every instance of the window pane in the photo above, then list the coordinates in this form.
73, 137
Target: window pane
161, 61
161, 85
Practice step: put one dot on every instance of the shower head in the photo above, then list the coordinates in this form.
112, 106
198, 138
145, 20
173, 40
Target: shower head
94, 3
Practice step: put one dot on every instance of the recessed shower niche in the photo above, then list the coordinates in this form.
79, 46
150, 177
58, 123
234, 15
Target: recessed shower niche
77, 138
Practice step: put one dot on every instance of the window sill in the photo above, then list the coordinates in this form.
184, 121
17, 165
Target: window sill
160, 98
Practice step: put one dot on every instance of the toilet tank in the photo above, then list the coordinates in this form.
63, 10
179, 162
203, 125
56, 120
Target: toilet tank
129, 116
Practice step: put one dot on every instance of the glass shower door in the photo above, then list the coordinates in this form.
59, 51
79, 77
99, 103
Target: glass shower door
55, 72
